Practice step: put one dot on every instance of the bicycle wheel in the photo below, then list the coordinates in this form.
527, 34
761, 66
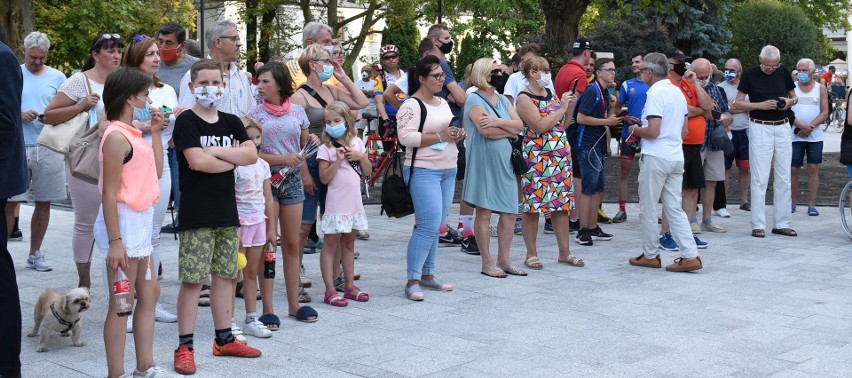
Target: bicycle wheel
840, 120
828, 121
846, 209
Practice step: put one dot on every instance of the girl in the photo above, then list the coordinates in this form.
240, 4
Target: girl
342, 160
130, 171
257, 228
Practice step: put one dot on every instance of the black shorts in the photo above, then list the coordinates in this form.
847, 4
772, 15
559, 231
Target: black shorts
461, 161
576, 172
693, 171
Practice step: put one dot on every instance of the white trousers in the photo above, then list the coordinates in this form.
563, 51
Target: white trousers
663, 179
770, 147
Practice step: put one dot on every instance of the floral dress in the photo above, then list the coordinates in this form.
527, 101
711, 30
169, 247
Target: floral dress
547, 185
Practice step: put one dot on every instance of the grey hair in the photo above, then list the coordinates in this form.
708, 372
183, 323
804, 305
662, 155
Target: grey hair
809, 62
37, 40
737, 62
657, 63
770, 52
217, 30
312, 31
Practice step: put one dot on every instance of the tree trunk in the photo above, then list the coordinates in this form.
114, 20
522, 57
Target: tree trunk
306, 10
251, 35
11, 19
562, 22
263, 51
368, 23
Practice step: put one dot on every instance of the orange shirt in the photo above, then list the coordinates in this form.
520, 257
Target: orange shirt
139, 188
697, 125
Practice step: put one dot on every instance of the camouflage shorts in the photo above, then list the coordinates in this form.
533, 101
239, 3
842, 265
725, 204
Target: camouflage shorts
206, 251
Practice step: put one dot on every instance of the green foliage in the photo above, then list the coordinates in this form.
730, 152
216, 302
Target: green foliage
757, 23
401, 31
698, 29
635, 32
71, 25
825, 13
472, 48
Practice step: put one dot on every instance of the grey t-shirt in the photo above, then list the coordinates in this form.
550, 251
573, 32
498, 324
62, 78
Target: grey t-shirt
171, 75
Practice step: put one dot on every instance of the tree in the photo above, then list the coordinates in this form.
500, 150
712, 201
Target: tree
757, 23
401, 31
635, 32
562, 21
698, 28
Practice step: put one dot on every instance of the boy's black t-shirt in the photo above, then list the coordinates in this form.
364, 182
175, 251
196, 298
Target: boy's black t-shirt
207, 199
761, 87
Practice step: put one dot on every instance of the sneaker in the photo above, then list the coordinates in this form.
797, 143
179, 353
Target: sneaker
685, 265
257, 329
745, 206
584, 237
696, 228
712, 227
163, 316
620, 217
602, 218
573, 226
701, 244
469, 246
153, 371
667, 243
310, 247
723, 212
16, 235
641, 260
518, 229
306, 282
598, 234
238, 333
160, 272
38, 262
185, 360
130, 324
548, 228
237, 348
448, 238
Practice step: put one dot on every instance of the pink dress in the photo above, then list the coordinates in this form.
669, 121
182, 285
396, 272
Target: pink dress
344, 210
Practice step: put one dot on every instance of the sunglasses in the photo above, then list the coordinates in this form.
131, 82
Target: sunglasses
104, 37
139, 38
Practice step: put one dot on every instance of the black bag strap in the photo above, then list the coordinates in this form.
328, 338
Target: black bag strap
314, 94
419, 130
511, 140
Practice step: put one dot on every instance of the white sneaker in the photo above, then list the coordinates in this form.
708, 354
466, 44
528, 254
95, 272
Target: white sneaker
257, 329
130, 323
153, 372
238, 333
37, 262
163, 316
723, 212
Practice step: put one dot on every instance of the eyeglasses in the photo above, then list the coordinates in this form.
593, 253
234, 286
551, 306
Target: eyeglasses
326, 60
105, 36
389, 57
139, 38
770, 67
233, 38
438, 76
610, 70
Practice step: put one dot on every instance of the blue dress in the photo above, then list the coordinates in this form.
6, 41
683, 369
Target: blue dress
489, 180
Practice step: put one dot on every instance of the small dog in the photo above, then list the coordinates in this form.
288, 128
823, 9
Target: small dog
55, 312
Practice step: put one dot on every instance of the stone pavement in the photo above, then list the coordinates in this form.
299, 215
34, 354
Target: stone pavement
776, 307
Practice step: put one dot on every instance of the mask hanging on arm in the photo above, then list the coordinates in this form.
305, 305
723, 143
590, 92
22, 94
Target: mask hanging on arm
209, 96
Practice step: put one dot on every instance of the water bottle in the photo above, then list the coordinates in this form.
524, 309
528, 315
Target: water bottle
121, 290
269, 261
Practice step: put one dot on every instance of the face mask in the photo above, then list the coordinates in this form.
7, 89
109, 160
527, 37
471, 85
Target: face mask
209, 96
142, 114
365, 74
335, 131
679, 69
326, 73
703, 82
446, 48
330, 49
730, 75
169, 55
545, 80
803, 77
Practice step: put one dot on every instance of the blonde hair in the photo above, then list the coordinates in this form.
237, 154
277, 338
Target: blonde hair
311, 53
249, 122
535, 63
341, 109
481, 72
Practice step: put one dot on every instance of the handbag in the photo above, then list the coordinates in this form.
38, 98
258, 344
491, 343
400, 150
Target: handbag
719, 138
516, 157
396, 197
84, 157
59, 138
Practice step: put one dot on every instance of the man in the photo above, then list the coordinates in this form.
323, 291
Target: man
739, 138
174, 61
808, 136
697, 102
594, 112
390, 74
664, 123
46, 168
771, 93
712, 157
633, 93
14, 168
313, 32
223, 40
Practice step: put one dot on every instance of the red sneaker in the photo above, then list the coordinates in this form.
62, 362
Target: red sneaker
184, 360
236, 348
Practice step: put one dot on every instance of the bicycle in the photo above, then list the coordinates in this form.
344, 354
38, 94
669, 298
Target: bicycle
845, 206
379, 161
837, 117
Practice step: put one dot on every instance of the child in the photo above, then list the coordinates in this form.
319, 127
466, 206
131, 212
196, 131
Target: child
210, 144
257, 228
130, 169
342, 162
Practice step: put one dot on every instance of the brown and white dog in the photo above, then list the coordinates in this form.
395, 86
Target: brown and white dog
55, 312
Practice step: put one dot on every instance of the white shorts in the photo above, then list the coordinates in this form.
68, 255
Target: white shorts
46, 170
135, 228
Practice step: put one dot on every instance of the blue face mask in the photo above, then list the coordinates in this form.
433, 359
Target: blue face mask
803, 77
730, 75
335, 131
142, 114
326, 73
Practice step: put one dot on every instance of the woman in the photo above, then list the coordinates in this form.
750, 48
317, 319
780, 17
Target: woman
285, 132
72, 99
432, 181
811, 112
318, 66
492, 123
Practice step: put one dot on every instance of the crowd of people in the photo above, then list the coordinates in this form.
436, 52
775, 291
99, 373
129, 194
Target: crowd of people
277, 159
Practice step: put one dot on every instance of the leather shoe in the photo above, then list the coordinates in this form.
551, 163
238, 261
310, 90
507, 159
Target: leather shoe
685, 265
641, 260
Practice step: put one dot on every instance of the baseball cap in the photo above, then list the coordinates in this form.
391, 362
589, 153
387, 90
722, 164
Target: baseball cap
581, 44
674, 53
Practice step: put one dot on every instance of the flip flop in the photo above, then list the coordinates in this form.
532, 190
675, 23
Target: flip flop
812, 211
573, 261
514, 271
495, 272
271, 321
533, 262
306, 314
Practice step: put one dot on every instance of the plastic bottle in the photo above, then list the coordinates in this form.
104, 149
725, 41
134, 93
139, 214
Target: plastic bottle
121, 291
269, 261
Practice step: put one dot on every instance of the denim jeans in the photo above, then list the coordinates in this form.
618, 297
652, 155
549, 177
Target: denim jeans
431, 188
173, 163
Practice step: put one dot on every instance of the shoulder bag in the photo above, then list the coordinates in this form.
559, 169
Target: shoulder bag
396, 197
61, 137
519, 163
84, 157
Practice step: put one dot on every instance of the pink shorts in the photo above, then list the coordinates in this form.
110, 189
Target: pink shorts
253, 236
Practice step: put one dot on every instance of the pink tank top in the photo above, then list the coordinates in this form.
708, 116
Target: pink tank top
139, 188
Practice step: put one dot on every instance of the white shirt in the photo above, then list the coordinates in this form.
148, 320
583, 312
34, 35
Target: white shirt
667, 102
401, 83
740, 121
807, 109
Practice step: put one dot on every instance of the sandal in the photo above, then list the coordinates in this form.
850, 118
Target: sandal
362, 235
812, 211
355, 294
271, 321
334, 299
414, 293
514, 271
304, 297
784, 231
306, 314
573, 261
495, 272
533, 262
758, 233
437, 285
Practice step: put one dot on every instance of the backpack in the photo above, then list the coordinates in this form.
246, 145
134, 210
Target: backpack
396, 197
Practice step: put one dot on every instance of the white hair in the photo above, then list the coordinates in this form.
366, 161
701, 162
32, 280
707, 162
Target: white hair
217, 30
770, 52
809, 62
312, 30
37, 40
737, 62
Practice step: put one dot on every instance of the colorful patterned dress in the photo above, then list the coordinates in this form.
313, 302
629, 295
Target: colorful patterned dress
547, 185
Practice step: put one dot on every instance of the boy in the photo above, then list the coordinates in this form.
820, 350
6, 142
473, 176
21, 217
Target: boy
210, 144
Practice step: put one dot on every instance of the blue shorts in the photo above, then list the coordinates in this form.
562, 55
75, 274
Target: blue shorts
739, 138
290, 191
309, 207
592, 162
812, 149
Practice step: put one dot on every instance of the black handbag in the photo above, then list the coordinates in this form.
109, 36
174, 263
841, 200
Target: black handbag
396, 197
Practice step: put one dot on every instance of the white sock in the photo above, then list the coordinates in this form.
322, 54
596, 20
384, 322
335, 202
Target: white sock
250, 317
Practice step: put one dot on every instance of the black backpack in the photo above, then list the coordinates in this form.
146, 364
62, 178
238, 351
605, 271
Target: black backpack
396, 198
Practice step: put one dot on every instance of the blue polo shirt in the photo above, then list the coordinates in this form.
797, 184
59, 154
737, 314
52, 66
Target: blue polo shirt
633, 92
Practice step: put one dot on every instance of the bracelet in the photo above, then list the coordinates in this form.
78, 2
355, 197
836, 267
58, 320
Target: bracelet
439, 137
112, 240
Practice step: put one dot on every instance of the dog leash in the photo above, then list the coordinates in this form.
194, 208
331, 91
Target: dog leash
63, 321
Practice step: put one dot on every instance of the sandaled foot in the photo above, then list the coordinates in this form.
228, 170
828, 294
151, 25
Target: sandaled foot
784, 231
335, 299
533, 262
414, 293
355, 294
305, 314
812, 211
511, 269
271, 321
362, 235
435, 284
758, 233
304, 297
573, 261
495, 272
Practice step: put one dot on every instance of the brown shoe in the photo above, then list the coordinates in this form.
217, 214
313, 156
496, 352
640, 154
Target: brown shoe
641, 260
685, 265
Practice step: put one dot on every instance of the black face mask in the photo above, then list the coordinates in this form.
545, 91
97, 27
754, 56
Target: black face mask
679, 68
446, 48
498, 81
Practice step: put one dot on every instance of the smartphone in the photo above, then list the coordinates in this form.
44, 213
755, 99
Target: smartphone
622, 114
165, 109
716, 114
574, 86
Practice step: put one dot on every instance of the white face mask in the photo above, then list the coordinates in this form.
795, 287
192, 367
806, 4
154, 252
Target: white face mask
545, 80
209, 96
